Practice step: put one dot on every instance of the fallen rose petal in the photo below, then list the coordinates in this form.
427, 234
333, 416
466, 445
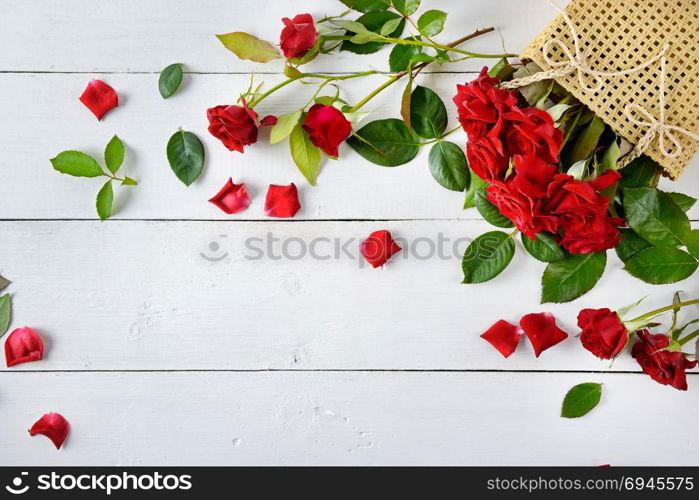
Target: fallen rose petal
23, 345
232, 198
99, 98
542, 331
52, 425
504, 336
268, 121
378, 248
282, 201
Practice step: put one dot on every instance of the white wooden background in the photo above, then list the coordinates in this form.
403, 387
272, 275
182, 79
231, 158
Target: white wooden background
159, 356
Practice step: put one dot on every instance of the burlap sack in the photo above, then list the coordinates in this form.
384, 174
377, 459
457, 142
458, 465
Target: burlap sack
619, 34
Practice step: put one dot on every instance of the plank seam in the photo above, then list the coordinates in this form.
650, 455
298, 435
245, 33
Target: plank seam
332, 370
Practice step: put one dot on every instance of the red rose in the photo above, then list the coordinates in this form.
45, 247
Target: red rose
234, 126
327, 128
531, 131
298, 36
603, 333
665, 367
521, 199
582, 213
480, 105
487, 157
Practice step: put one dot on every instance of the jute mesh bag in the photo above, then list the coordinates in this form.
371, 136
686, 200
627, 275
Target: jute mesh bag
618, 34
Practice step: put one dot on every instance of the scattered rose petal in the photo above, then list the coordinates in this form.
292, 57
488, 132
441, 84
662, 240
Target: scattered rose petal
504, 336
542, 331
268, 121
282, 201
52, 425
232, 198
378, 248
23, 345
99, 98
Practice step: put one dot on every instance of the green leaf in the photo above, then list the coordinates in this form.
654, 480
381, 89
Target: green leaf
185, 152
642, 172
365, 37
4, 282
655, 217
128, 181
5, 313
170, 80
543, 248
534, 92
501, 70
658, 265
401, 56
586, 143
431, 22
572, 277
114, 154
406, 7
490, 212
105, 200
285, 124
630, 244
373, 22
390, 142
246, 46
77, 164
428, 115
305, 154
405, 104
448, 165
581, 399
390, 26
366, 5
692, 243
475, 184
684, 201
610, 157
487, 256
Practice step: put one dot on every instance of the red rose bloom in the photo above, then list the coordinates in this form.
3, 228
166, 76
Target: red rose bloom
487, 158
521, 199
531, 131
480, 105
603, 333
582, 213
298, 36
327, 128
665, 367
236, 126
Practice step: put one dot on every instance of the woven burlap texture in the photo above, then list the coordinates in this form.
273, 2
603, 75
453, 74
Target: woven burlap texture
620, 34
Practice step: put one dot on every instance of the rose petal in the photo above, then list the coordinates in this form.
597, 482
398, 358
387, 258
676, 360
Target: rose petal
99, 98
268, 121
504, 336
378, 248
52, 425
542, 331
232, 198
23, 345
282, 201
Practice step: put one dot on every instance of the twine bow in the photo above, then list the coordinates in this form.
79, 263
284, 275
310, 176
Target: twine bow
656, 127
574, 61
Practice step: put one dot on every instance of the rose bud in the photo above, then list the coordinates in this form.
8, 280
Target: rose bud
99, 98
603, 333
542, 331
665, 367
232, 198
504, 336
378, 248
22, 346
327, 127
282, 201
52, 425
298, 36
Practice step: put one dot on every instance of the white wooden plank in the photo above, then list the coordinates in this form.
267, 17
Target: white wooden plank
35, 123
139, 295
344, 418
133, 35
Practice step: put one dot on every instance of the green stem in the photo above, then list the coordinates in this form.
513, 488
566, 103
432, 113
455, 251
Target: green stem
341, 77
446, 48
441, 136
655, 312
286, 82
688, 337
378, 89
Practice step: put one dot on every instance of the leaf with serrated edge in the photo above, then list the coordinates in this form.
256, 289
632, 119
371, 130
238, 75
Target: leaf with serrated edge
487, 256
285, 124
77, 164
170, 80
661, 265
655, 216
185, 153
572, 277
114, 154
544, 248
448, 166
105, 200
246, 46
305, 154
581, 399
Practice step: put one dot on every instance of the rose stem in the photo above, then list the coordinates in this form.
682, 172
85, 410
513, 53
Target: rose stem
664, 309
417, 68
446, 48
